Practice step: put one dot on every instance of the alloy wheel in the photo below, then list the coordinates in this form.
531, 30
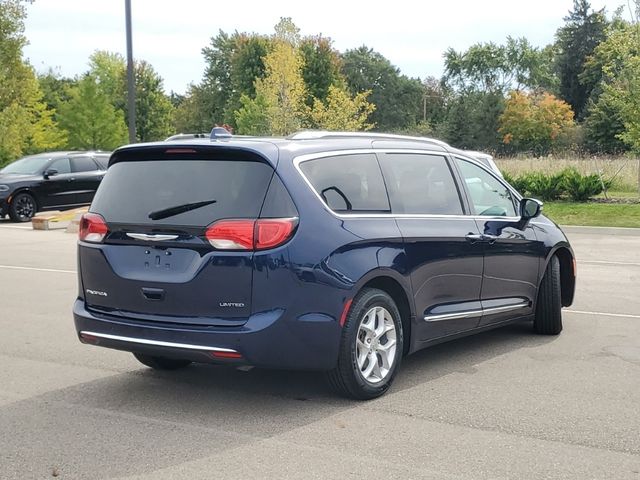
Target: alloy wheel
376, 345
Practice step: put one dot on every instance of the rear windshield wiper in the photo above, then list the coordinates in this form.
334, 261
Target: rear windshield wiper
178, 209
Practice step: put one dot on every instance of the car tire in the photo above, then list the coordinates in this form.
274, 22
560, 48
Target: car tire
548, 316
372, 330
161, 363
23, 207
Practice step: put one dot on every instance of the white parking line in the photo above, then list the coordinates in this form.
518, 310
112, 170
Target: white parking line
604, 314
604, 262
55, 270
17, 227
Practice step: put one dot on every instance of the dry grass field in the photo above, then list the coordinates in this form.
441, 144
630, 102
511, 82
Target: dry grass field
623, 171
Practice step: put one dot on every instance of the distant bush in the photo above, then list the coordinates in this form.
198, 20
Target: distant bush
520, 183
580, 187
544, 186
569, 183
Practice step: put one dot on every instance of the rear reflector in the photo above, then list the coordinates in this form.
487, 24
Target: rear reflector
87, 338
345, 312
250, 234
217, 354
93, 228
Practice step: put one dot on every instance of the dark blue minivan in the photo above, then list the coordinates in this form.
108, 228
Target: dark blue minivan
339, 252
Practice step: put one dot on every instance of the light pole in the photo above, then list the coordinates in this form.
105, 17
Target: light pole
131, 86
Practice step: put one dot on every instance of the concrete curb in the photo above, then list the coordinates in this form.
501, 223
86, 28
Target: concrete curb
621, 231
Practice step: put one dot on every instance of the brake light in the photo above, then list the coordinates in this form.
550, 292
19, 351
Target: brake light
93, 228
250, 234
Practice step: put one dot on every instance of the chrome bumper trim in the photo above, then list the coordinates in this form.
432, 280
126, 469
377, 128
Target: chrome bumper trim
158, 343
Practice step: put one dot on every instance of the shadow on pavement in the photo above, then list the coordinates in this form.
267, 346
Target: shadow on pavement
143, 420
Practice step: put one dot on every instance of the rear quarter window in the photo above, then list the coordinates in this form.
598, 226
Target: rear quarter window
348, 183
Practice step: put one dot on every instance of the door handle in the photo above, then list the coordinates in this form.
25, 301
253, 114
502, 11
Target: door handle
490, 239
484, 238
474, 238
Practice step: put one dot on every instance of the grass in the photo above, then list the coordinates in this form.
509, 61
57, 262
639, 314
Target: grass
594, 214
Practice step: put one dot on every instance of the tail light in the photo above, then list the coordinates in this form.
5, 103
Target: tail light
93, 228
251, 234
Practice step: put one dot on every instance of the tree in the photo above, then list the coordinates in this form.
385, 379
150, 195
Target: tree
195, 112
492, 68
26, 124
90, 119
471, 121
584, 30
321, 68
624, 95
154, 112
253, 116
110, 71
398, 99
282, 91
341, 112
604, 124
535, 122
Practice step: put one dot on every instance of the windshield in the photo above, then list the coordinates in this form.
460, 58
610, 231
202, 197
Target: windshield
26, 165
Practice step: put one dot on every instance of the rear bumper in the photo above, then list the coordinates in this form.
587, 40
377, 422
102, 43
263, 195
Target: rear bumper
269, 339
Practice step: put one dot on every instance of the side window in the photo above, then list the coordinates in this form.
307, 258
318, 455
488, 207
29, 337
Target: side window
83, 164
489, 197
348, 183
61, 165
102, 160
420, 184
278, 202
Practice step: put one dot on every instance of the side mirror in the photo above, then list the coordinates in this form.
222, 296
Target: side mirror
52, 172
530, 208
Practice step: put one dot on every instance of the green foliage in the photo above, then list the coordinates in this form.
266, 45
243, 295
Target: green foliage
534, 122
566, 183
606, 68
321, 68
472, 121
252, 118
543, 186
282, 90
92, 122
581, 187
154, 112
398, 99
26, 123
520, 183
577, 40
492, 68
341, 112
194, 113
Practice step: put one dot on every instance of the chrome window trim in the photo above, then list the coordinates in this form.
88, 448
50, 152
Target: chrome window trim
475, 313
335, 153
158, 343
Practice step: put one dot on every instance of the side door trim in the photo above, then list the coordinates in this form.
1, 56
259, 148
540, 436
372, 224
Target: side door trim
476, 313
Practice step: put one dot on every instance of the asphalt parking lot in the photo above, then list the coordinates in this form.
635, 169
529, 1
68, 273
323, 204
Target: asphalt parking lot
504, 404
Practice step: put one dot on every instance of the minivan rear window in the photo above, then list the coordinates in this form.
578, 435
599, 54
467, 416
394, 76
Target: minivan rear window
215, 189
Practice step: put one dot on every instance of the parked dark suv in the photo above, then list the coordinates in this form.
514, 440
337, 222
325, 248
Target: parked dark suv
337, 252
50, 181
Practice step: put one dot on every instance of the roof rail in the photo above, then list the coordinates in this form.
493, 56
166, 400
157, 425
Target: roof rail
186, 136
316, 134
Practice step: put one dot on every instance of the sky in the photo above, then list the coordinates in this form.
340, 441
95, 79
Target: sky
413, 35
